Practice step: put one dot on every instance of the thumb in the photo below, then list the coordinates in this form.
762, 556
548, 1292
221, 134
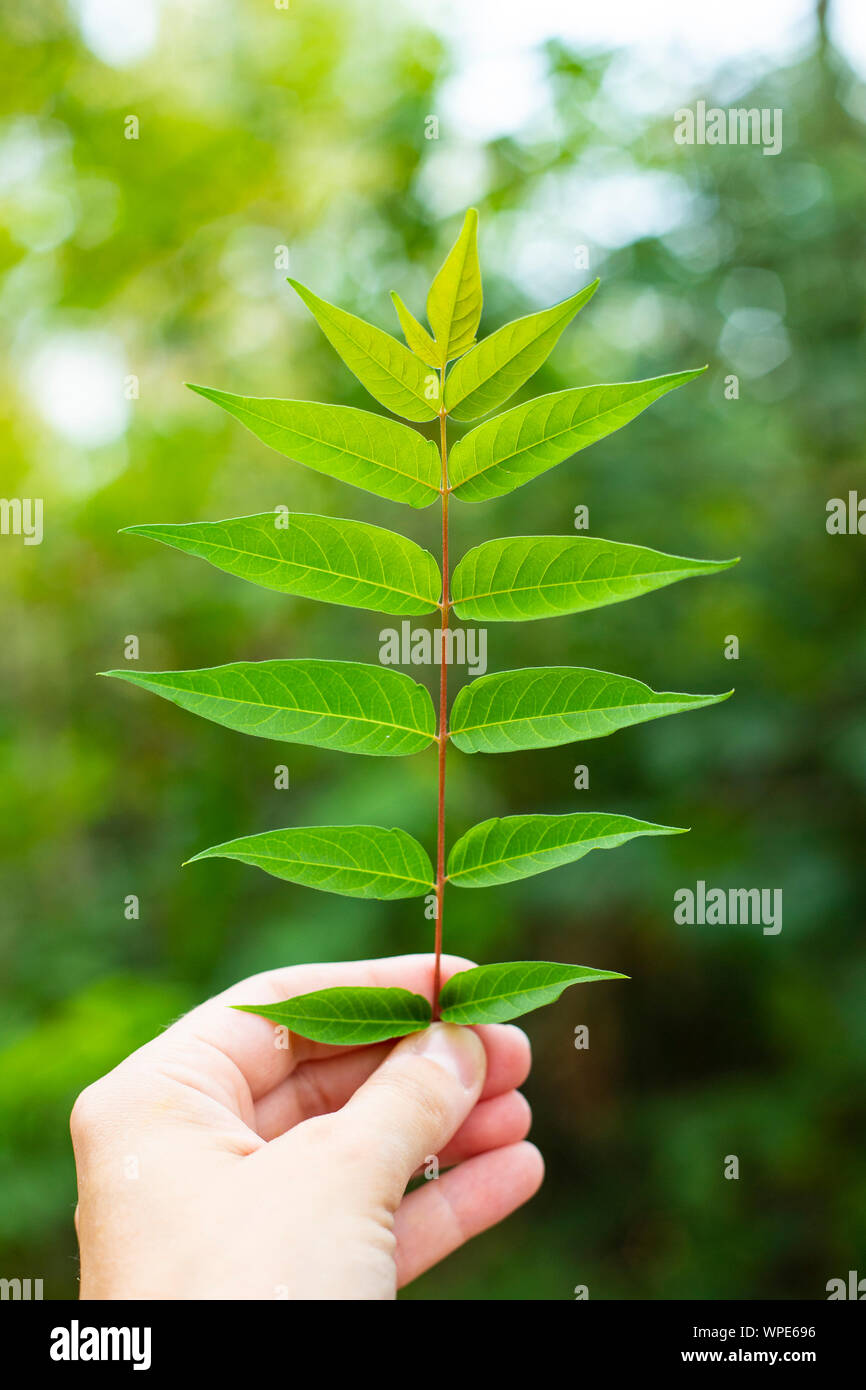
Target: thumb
412, 1105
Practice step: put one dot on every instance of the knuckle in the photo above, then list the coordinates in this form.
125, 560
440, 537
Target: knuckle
86, 1111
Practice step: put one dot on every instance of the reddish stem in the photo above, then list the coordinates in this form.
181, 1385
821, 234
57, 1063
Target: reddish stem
443, 708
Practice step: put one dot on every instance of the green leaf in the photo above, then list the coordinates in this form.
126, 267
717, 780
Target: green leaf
500, 851
348, 1015
454, 301
387, 369
416, 334
549, 705
523, 577
330, 704
357, 861
497, 993
382, 456
319, 557
511, 449
491, 373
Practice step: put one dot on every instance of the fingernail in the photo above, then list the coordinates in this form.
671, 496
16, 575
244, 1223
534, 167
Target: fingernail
456, 1050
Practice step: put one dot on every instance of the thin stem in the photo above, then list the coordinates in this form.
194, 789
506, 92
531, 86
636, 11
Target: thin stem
443, 703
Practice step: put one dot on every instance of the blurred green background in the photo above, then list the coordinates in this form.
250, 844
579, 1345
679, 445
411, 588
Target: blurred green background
154, 258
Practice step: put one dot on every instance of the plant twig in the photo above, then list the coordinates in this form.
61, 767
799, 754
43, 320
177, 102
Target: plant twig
443, 703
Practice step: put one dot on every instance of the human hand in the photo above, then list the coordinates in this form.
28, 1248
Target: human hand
215, 1164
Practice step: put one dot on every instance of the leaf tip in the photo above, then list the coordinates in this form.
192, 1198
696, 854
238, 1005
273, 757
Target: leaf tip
202, 854
207, 391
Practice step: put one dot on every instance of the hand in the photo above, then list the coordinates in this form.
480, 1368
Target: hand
214, 1164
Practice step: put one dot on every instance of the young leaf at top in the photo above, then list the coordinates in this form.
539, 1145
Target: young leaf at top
416, 334
387, 369
348, 1015
511, 449
321, 557
357, 861
497, 993
369, 451
499, 365
500, 851
455, 298
523, 577
345, 705
549, 705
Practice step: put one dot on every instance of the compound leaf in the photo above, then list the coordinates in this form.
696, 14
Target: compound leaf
454, 301
369, 451
497, 993
387, 369
416, 334
523, 577
500, 851
348, 1015
357, 861
549, 705
499, 365
345, 705
321, 557
511, 449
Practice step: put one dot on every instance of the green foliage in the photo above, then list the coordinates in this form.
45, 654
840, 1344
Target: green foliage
390, 373
498, 993
358, 861
550, 705
368, 709
379, 455
454, 301
349, 1015
500, 851
416, 334
346, 562
498, 366
511, 449
329, 704
522, 577
720, 1033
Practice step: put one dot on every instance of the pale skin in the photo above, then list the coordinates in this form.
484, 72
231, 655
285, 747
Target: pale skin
213, 1164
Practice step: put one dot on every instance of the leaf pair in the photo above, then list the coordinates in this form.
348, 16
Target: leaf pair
363, 566
376, 710
369, 861
352, 1016
393, 461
